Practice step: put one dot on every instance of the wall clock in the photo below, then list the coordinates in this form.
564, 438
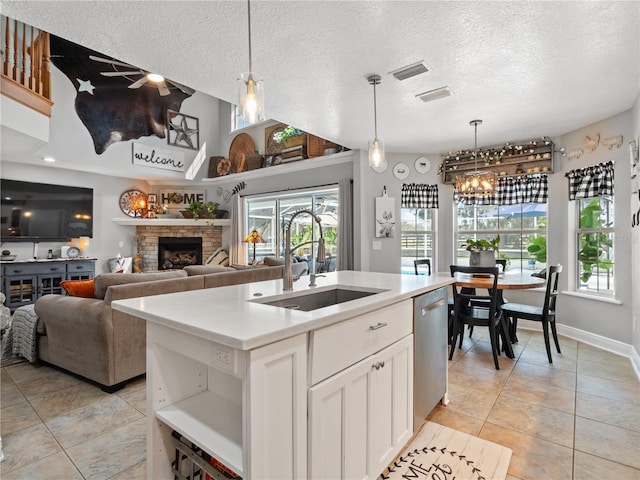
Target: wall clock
401, 171
423, 165
133, 203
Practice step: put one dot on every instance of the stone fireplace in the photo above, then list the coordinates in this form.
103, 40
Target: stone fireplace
149, 238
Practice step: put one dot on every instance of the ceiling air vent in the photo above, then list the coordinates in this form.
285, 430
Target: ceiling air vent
410, 71
435, 94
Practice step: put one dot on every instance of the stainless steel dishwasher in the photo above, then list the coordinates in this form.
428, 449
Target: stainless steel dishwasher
430, 352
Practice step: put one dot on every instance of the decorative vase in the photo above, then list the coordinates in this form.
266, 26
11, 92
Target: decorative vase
137, 263
483, 258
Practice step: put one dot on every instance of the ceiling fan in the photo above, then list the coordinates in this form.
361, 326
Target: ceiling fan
155, 79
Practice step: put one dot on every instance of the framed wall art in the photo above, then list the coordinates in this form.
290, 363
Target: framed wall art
633, 158
183, 130
385, 216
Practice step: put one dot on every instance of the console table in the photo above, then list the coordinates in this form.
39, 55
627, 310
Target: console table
24, 282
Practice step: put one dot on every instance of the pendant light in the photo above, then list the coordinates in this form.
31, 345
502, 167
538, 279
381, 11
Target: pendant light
476, 184
376, 146
250, 90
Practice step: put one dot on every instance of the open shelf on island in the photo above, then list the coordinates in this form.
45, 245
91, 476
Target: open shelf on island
207, 419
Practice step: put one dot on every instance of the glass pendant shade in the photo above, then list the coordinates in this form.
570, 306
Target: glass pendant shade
476, 184
251, 98
376, 153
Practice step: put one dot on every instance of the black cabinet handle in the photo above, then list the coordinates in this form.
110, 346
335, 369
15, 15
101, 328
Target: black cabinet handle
17, 270
54, 269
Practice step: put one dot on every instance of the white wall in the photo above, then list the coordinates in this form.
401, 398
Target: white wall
635, 236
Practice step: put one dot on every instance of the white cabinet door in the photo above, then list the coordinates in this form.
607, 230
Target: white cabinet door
276, 423
390, 403
361, 417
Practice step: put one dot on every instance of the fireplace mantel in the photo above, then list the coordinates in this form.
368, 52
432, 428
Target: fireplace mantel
172, 222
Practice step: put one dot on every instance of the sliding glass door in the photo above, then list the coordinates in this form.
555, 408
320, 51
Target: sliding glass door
269, 215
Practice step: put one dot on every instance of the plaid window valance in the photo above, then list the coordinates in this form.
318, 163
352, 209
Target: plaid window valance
591, 181
419, 195
512, 191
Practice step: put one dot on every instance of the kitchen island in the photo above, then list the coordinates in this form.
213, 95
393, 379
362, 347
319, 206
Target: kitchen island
277, 392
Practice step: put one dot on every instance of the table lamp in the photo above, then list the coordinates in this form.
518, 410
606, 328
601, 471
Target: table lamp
254, 237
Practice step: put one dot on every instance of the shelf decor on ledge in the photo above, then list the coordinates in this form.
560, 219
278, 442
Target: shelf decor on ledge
172, 222
533, 156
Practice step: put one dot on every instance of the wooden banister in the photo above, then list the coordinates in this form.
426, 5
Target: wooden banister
25, 65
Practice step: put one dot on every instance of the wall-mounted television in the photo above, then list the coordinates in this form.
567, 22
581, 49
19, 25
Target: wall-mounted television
44, 212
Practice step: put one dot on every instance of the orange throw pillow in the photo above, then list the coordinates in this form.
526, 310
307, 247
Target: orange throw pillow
78, 288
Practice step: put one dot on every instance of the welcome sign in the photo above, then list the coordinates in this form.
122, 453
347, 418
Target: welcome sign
154, 157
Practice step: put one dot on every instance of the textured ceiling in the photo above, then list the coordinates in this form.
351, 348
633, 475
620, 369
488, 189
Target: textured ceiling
526, 68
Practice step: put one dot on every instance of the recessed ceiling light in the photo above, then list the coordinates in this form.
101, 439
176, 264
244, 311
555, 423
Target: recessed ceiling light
409, 71
431, 95
49, 159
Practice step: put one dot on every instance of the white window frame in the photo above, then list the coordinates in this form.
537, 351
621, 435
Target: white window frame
475, 234
579, 287
409, 269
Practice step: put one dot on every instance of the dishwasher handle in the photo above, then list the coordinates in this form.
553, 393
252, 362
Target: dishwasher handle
427, 308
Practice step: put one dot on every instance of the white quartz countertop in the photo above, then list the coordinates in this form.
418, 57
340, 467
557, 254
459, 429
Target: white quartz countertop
228, 315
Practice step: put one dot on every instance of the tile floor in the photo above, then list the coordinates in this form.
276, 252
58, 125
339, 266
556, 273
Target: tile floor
577, 419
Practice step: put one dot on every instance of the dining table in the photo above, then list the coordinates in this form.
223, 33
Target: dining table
506, 281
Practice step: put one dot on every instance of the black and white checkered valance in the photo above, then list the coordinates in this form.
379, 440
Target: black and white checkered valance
419, 195
591, 181
512, 191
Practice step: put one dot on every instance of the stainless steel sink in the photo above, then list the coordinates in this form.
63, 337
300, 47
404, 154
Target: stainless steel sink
318, 299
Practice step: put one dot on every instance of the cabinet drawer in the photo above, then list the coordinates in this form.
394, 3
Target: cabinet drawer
24, 269
79, 266
338, 346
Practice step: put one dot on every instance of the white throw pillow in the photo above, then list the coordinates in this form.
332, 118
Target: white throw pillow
219, 257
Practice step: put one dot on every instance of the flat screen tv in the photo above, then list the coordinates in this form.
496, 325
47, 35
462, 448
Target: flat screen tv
44, 212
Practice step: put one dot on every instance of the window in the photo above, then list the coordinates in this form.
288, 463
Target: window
237, 122
519, 227
269, 216
595, 245
418, 234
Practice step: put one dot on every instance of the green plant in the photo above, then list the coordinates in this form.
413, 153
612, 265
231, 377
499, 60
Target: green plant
482, 244
504, 256
593, 246
537, 249
198, 208
288, 132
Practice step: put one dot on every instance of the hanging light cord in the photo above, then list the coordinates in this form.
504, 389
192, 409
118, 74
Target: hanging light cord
475, 151
475, 123
249, 23
375, 111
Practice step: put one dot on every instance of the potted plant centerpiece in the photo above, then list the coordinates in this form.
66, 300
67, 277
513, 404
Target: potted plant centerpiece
200, 210
482, 252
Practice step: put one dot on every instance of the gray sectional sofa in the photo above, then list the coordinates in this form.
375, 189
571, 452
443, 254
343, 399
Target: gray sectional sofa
87, 337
